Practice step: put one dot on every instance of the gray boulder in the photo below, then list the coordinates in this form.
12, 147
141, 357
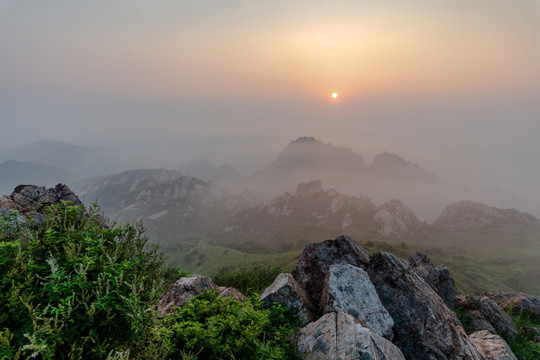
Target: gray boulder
491, 346
438, 277
424, 327
316, 259
347, 288
528, 304
488, 311
185, 288
338, 335
286, 291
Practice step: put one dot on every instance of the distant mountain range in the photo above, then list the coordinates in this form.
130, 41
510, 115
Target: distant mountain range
176, 208
305, 159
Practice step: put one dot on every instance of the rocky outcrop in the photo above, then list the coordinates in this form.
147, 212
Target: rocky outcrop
185, 288
395, 219
491, 347
311, 205
286, 291
348, 289
472, 215
438, 277
424, 327
338, 335
316, 259
482, 310
32, 199
518, 302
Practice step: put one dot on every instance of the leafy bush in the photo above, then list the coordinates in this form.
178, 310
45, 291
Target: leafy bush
75, 287
211, 327
248, 281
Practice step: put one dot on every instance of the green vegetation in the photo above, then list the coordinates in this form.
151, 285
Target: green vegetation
75, 286
248, 281
79, 287
201, 257
524, 347
211, 327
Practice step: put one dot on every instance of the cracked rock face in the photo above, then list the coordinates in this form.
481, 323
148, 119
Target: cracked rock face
338, 335
312, 267
488, 311
348, 289
424, 327
492, 346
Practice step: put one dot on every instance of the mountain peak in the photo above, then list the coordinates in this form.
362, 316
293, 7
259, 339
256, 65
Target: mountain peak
305, 139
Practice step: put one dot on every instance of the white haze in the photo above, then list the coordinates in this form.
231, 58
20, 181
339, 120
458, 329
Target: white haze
451, 86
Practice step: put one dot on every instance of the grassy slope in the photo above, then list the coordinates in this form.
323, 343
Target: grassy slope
506, 258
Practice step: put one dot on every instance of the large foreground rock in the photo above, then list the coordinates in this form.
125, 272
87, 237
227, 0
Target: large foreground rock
438, 277
491, 346
338, 335
529, 304
286, 291
316, 259
179, 293
424, 327
482, 309
347, 288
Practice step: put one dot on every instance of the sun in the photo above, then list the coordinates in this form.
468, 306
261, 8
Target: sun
335, 95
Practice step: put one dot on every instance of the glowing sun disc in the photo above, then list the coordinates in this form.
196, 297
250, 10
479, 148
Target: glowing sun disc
334, 95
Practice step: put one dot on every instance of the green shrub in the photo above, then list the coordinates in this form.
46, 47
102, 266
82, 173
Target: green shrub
211, 327
523, 347
76, 287
248, 281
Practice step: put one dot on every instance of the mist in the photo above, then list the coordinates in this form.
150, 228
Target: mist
453, 88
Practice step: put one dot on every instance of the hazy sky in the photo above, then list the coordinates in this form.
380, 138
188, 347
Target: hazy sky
451, 85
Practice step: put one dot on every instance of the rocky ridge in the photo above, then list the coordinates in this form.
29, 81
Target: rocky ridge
473, 215
310, 204
355, 306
